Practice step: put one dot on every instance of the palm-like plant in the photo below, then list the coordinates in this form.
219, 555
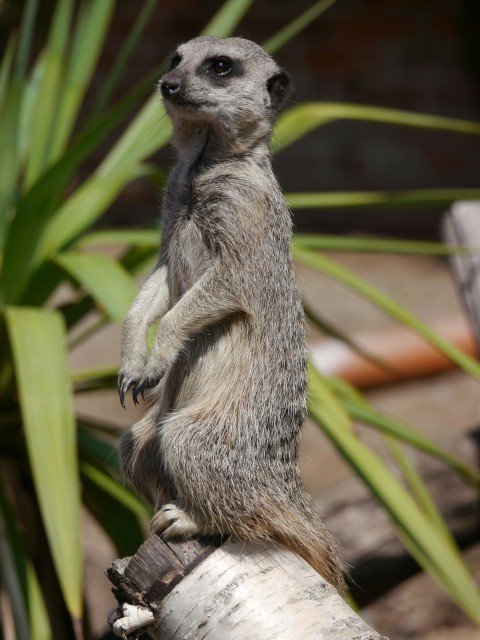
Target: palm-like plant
52, 459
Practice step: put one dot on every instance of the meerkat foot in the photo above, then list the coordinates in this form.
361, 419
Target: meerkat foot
172, 521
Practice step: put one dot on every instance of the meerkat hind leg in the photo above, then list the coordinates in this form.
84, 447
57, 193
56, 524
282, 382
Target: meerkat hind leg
173, 521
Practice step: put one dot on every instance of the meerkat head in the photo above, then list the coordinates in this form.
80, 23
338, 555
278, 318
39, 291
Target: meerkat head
231, 85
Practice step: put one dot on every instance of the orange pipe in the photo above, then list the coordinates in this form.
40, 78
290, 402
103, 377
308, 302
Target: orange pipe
404, 353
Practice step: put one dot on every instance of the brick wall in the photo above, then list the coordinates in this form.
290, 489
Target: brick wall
421, 56
389, 53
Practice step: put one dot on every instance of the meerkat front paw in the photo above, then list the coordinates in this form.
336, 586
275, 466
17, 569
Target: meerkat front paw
149, 380
138, 380
172, 521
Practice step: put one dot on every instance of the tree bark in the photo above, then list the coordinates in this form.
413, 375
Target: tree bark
461, 227
238, 591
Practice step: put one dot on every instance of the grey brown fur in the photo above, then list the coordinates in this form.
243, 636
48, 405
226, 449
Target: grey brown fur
217, 451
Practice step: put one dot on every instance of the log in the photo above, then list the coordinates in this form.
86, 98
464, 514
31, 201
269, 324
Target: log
238, 591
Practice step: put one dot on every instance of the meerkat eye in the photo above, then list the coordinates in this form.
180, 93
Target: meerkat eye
221, 66
174, 62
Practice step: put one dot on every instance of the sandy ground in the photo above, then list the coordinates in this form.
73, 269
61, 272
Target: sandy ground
444, 406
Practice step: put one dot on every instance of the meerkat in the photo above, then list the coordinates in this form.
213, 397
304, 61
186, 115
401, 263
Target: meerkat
226, 379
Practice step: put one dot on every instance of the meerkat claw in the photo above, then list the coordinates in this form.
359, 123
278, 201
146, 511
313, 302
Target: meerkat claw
140, 388
124, 386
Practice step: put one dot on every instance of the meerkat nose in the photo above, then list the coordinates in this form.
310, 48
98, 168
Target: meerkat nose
169, 88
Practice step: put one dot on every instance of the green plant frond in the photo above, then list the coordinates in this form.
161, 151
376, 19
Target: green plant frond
52, 183
389, 306
99, 373
367, 415
14, 563
345, 392
123, 56
97, 446
46, 107
29, 246
148, 132
85, 206
330, 404
280, 39
37, 337
332, 331
6, 67
30, 95
437, 556
300, 120
120, 237
357, 199
104, 278
227, 18
123, 495
38, 615
91, 27
104, 432
9, 160
25, 40
119, 522
44, 282
140, 260
418, 489
9, 157
95, 379
446, 580
39, 205
379, 245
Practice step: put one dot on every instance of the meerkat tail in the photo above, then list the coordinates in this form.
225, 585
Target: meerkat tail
324, 560
314, 543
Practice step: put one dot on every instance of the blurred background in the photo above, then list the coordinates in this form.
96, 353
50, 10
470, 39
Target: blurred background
380, 137
417, 56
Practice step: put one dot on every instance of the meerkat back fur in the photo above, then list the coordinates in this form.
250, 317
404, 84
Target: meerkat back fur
217, 451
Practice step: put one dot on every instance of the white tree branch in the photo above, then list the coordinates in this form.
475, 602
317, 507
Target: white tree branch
252, 592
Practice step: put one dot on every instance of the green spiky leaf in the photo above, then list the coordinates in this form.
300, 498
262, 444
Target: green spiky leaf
38, 344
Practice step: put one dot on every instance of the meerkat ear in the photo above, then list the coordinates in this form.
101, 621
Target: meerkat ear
278, 86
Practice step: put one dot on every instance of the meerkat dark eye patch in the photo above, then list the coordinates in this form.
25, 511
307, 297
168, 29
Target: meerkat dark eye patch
221, 66
174, 61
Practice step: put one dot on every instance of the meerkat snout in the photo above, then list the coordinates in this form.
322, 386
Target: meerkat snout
169, 88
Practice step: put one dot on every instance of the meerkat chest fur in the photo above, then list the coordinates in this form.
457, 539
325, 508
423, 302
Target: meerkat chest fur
229, 212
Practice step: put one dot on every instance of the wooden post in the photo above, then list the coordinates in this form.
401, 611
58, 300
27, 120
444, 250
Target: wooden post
238, 591
461, 227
